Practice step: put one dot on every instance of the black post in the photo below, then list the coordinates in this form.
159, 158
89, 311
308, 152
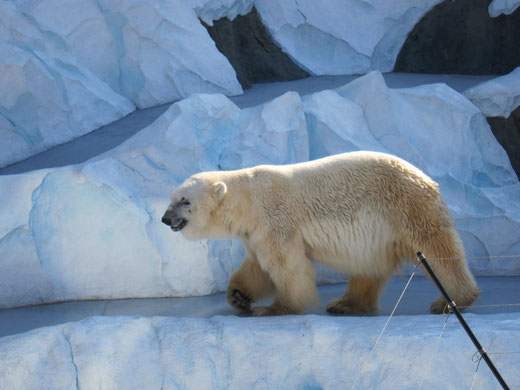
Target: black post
453, 307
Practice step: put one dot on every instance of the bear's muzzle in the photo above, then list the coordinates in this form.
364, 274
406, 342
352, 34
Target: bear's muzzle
175, 223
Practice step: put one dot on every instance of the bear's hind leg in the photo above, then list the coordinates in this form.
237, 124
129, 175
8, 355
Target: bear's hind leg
248, 284
361, 296
457, 281
446, 258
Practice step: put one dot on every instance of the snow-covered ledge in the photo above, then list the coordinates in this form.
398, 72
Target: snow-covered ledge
291, 352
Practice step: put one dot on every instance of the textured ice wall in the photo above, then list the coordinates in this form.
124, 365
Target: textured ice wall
71, 67
48, 97
67, 68
150, 52
342, 37
290, 352
94, 231
497, 97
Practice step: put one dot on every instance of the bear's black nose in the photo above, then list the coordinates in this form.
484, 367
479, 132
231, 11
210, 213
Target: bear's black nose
166, 221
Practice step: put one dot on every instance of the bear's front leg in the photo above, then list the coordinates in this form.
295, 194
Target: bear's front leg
248, 284
361, 296
293, 276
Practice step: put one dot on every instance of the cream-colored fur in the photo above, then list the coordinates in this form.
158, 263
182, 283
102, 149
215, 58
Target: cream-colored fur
362, 213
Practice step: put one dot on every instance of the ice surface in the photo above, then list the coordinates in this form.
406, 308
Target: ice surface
342, 37
497, 97
94, 231
499, 7
291, 352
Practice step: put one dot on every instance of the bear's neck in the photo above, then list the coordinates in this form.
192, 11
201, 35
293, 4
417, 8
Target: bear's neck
236, 213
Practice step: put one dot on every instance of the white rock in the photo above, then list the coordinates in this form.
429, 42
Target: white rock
343, 37
210, 10
499, 7
150, 52
305, 352
497, 97
48, 99
24, 365
337, 125
62, 80
406, 121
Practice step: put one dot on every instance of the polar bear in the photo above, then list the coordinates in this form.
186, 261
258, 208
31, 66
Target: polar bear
361, 213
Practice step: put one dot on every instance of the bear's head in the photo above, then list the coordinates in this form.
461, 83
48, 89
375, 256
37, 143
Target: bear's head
192, 206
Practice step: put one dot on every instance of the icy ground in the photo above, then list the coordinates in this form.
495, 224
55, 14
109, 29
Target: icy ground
289, 352
419, 294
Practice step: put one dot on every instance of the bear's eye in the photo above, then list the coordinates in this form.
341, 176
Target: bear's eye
185, 202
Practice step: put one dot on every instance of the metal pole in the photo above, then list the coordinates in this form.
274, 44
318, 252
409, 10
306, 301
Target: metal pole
453, 307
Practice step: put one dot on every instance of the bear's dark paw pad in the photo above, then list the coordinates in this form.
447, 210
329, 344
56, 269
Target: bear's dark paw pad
345, 308
240, 301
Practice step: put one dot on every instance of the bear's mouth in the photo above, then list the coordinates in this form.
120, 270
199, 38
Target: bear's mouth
178, 225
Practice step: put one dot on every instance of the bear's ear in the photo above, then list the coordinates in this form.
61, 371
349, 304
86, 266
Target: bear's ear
219, 189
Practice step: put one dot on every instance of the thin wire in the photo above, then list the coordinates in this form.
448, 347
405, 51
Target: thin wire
434, 351
476, 257
382, 331
493, 305
476, 371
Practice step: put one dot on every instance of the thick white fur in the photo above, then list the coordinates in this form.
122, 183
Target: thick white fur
362, 213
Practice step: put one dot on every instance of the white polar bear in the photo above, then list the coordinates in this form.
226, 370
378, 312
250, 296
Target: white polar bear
361, 213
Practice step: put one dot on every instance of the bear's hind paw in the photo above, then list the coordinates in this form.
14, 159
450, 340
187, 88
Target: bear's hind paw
240, 301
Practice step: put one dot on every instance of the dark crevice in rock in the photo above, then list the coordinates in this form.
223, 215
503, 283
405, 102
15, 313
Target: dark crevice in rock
251, 51
460, 37
507, 132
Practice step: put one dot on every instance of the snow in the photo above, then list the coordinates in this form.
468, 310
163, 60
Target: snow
93, 231
497, 97
305, 352
499, 7
335, 39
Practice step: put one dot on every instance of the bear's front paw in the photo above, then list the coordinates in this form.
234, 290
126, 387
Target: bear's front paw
273, 310
239, 300
347, 307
